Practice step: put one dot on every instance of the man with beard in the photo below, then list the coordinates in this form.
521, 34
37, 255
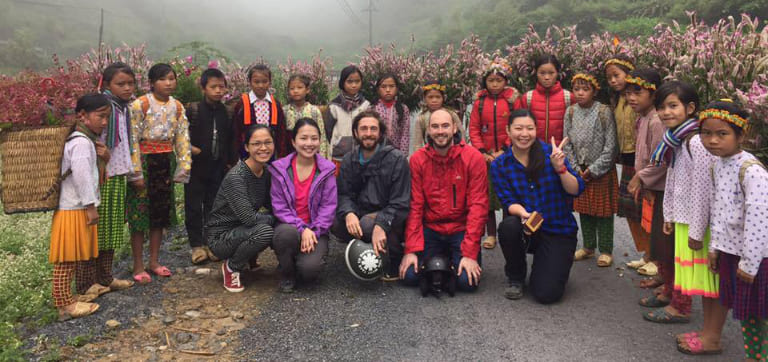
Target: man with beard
449, 204
374, 191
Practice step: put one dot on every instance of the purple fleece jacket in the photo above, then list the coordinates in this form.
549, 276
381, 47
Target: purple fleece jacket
322, 195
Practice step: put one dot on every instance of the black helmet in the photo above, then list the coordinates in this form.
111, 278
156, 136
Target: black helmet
362, 261
437, 276
437, 263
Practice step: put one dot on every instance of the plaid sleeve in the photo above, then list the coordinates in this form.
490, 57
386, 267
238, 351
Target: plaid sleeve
501, 183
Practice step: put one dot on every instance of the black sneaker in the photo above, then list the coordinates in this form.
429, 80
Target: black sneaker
514, 291
286, 286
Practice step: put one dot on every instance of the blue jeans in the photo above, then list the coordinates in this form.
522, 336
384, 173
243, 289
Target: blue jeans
448, 245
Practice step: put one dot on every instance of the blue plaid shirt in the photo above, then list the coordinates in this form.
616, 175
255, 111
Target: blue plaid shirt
545, 195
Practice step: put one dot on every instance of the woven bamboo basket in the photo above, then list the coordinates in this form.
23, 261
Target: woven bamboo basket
31, 165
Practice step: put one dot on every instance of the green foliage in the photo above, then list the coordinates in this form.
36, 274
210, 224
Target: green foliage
630, 26
25, 286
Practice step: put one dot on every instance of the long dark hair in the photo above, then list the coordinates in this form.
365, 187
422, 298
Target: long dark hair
615, 95
398, 105
546, 59
536, 159
686, 93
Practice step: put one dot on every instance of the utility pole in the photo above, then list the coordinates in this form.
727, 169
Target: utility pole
101, 34
370, 11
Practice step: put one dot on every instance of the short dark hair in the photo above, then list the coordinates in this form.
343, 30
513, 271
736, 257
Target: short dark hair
346, 72
684, 91
252, 129
158, 71
111, 70
306, 121
91, 102
300, 77
261, 67
732, 108
211, 73
647, 74
370, 113
546, 59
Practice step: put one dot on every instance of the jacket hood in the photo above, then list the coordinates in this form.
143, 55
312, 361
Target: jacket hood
554, 89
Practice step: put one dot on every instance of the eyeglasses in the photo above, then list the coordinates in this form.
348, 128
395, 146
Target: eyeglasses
267, 144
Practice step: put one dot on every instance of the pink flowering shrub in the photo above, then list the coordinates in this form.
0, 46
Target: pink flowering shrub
317, 71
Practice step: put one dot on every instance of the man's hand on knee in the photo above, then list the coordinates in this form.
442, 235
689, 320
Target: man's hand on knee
379, 240
353, 226
409, 260
472, 268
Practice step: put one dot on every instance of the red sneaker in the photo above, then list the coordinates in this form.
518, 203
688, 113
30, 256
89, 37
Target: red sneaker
231, 279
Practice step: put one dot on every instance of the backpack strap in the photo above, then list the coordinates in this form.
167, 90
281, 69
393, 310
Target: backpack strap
246, 109
743, 171
480, 103
57, 184
528, 99
567, 96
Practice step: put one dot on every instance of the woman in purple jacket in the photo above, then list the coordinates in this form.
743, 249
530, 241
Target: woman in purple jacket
304, 202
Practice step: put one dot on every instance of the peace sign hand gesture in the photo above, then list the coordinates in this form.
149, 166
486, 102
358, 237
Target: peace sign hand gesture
558, 156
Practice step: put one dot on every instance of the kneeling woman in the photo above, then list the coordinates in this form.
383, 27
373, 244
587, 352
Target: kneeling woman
534, 176
304, 200
240, 225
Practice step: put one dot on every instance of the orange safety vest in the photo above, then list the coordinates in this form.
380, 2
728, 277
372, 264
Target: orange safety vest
247, 111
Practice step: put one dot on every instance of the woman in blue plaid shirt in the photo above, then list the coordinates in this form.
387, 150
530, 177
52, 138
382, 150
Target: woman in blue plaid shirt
534, 176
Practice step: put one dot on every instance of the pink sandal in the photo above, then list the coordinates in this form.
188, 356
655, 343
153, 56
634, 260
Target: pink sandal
695, 347
161, 271
142, 278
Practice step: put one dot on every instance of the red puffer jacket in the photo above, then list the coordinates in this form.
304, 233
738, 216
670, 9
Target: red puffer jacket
449, 194
548, 106
488, 132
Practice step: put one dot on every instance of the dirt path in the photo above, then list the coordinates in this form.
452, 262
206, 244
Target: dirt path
186, 317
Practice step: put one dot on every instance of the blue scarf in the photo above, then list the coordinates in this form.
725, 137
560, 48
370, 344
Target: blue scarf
673, 138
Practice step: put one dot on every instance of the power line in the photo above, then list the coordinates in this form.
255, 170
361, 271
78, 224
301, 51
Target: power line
350, 13
371, 8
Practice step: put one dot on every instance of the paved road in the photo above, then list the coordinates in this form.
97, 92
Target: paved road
345, 319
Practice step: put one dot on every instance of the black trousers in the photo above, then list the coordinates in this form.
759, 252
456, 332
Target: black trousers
293, 263
241, 244
395, 236
552, 259
199, 195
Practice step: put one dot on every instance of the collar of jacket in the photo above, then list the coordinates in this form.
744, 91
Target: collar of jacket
453, 152
552, 90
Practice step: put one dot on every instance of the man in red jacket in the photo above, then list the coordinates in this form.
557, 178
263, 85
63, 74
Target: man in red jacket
449, 204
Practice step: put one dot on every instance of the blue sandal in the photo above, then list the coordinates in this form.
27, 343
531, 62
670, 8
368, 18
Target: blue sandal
653, 302
662, 316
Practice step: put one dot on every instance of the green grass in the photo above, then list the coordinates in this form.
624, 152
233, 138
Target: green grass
25, 287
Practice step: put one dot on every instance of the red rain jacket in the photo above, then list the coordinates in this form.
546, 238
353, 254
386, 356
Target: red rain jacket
488, 132
548, 106
449, 194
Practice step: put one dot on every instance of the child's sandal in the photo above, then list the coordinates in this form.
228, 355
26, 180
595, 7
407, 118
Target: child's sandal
80, 310
582, 254
604, 260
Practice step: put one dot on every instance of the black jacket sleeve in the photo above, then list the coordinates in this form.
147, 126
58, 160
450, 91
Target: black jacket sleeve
347, 197
400, 194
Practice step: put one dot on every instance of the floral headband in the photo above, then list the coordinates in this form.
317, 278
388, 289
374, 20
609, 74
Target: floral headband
588, 78
434, 86
623, 63
724, 115
640, 82
499, 66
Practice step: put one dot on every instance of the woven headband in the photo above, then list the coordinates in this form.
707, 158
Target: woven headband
624, 63
588, 78
499, 67
437, 87
723, 115
640, 82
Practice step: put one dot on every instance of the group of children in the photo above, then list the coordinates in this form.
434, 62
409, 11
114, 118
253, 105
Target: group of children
694, 201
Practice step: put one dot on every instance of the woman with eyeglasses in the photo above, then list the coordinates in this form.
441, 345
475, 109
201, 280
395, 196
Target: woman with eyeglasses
240, 225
